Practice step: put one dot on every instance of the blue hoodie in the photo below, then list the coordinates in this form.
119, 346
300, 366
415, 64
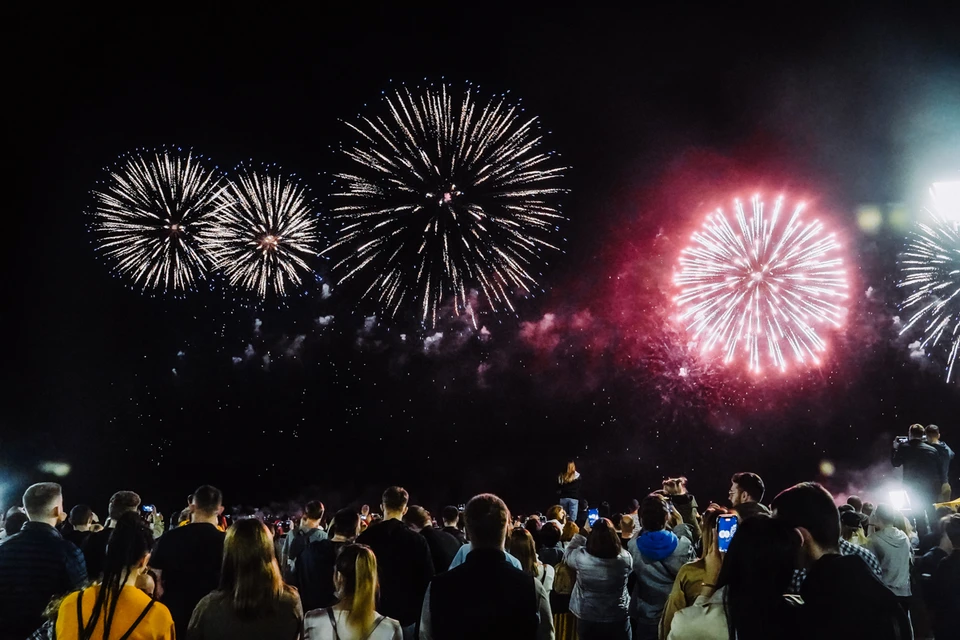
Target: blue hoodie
657, 545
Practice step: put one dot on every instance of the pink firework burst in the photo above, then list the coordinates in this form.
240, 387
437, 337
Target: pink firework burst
759, 286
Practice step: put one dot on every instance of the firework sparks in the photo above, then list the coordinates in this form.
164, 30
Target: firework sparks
148, 215
761, 286
445, 194
263, 231
930, 272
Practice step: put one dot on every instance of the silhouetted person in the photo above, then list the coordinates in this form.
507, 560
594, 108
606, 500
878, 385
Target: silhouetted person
313, 575
95, 546
746, 492
443, 546
923, 474
451, 520
81, 519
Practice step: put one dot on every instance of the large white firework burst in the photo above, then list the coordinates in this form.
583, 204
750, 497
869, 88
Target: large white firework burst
149, 213
445, 194
265, 229
761, 286
930, 273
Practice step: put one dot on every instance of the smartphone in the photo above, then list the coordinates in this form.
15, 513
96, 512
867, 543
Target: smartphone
592, 516
726, 527
148, 507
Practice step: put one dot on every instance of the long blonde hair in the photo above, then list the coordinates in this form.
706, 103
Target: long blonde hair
357, 568
520, 546
250, 575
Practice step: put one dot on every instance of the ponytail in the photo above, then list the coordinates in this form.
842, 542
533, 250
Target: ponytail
357, 565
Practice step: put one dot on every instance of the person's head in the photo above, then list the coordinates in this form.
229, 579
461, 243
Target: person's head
810, 509
123, 502
450, 516
533, 526
346, 524
557, 513
916, 432
43, 502
486, 518
885, 516
394, 503
570, 529
207, 503
868, 508
850, 524
951, 529
745, 487
844, 508
571, 468
603, 541
757, 571
654, 512
417, 518
81, 517
634, 506
709, 526
250, 576
856, 503
355, 577
312, 514
520, 545
550, 535
932, 432
14, 522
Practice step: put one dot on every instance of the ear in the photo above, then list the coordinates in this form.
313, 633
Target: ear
404, 511
805, 538
192, 508
144, 561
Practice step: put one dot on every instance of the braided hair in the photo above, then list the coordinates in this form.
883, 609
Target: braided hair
129, 542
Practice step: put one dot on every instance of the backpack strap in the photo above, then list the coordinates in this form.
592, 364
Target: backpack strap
80, 613
143, 614
333, 623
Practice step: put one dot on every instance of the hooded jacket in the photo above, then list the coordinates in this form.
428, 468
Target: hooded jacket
657, 558
892, 548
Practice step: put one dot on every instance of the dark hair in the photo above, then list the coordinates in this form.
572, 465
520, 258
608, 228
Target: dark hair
917, 431
634, 505
81, 514
129, 542
654, 512
207, 500
345, 522
486, 521
395, 498
532, 525
550, 535
751, 483
844, 508
39, 498
449, 514
417, 516
931, 430
250, 576
14, 523
313, 510
850, 519
123, 502
756, 572
855, 502
810, 506
603, 541
952, 528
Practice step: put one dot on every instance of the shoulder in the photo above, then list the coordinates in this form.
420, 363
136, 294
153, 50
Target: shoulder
291, 598
212, 600
159, 615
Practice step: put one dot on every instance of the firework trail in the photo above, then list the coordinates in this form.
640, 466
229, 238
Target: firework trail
148, 215
930, 272
761, 286
445, 194
264, 230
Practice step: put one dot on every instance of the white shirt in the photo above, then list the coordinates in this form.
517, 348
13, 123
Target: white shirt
316, 626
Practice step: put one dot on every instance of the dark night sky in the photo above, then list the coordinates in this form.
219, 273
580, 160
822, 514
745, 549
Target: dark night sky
660, 114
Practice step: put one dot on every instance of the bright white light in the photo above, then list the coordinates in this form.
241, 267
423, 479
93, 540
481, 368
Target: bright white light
947, 197
59, 469
900, 500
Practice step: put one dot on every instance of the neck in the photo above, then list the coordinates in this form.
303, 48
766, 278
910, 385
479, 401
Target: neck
204, 518
393, 515
82, 527
310, 524
450, 525
50, 521
132, 575
341, 538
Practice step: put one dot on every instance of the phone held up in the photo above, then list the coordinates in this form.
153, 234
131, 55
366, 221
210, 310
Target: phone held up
726, 528
592, 516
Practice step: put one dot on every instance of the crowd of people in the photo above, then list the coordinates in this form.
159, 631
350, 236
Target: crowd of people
799, 566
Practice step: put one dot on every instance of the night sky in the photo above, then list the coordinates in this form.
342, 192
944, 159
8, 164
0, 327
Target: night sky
662, 116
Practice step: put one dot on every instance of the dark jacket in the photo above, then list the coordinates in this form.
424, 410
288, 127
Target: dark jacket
443, 547
835, 586
946, 456
552, 555
456, 533
35, 565
569, 490
922, 470
750, 509
686, 506
945, 596
95, 552
313, 574
485, 597
404, 566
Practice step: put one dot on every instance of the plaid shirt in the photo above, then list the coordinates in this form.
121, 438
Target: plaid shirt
846, 549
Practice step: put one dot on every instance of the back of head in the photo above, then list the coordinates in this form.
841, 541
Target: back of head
39, 500
856, 503
751, 483
81, 515
550, 535
844, 508
850, 520
345, 523
532, 525
486, 521
887, 515
603, 541
313, 510
520, 545
952, 528
123, 502
450, 515
634, 505
357, 569
395, 499
654, 512
932, 432
250, 575
417, 517
917, 431
207, 500
810, 506
14, 522
868, 508
570, 529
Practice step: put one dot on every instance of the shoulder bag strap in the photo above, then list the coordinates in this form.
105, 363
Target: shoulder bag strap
80, 614
143, 614
333, 623
374, 627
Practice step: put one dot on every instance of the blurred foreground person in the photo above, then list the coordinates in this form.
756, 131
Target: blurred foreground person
923, 474
315, 567
600, 599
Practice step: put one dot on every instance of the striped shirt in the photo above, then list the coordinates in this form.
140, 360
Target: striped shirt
846, 549
35, 565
